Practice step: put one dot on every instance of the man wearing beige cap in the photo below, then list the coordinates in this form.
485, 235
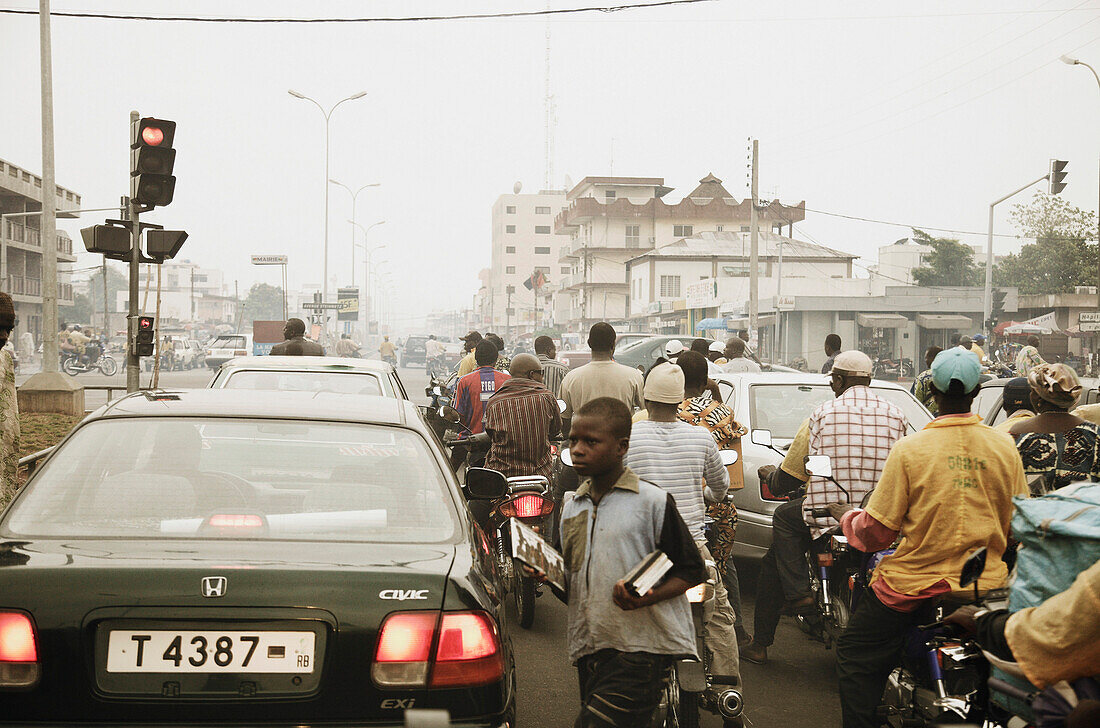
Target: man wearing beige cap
683, 460
856, 430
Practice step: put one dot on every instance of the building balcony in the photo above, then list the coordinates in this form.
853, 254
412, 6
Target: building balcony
21, 235
635, 246
24, 286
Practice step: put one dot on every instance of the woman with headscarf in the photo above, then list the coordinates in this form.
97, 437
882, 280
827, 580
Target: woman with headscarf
1054, 444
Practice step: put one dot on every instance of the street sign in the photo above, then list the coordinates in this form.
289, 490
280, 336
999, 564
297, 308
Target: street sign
333, 306
1090, 326
1090, 317
268, 260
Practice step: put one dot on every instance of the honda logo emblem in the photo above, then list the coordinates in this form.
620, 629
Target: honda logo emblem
214, 586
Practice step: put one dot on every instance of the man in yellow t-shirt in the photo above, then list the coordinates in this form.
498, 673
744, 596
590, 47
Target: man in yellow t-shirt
947, 490
468, 364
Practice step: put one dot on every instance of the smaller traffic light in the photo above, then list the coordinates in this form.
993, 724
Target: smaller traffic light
108, 240
160, 245
1057, 174
151, 160
998, 307
146, 336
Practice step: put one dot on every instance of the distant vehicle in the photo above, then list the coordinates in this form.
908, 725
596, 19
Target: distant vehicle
989, 403
779, 402
225, 347
206, 556
339, 375
412, 352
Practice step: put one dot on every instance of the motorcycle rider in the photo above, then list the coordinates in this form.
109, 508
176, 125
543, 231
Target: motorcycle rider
947, 490
1016, 402
603, 376
680, 458
471, 394
388, 351
295, 332
79, 342
503, 363
468, 364
521, 419
346, 347
857, 430
922, 385
433, 350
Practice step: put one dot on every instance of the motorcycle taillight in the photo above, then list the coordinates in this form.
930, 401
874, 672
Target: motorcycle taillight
527, 506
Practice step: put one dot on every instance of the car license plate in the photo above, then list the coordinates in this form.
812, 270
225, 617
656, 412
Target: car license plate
167, 651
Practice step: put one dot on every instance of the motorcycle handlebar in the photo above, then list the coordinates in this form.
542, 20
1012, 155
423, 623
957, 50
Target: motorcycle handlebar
820, 513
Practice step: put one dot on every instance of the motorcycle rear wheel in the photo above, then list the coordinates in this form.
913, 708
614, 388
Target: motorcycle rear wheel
108, 366
523, 589
71, 367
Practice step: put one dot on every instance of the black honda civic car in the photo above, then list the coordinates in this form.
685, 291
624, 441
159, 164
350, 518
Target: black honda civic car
235, 557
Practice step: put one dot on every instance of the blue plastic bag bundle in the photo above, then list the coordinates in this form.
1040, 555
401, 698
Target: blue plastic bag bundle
1059, 535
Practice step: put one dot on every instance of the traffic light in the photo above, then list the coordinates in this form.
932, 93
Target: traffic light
143, 344
1057, 174
998, 304
151, 160
108, 240
160, 245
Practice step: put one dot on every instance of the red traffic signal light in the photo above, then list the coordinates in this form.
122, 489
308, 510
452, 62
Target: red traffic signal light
151, 160
145, 323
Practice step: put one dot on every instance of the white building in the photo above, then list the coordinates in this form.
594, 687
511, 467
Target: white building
896, 262
188, 293
523, 244
611, 220
675, 287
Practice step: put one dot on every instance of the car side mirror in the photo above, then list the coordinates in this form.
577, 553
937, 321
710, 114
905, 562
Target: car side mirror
561, 406
973, 567
761, 437
729, 457
566, 458
820, 466
485, 484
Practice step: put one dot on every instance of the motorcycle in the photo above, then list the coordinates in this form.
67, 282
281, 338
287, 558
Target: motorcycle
93, 359
437, 368
527, 499
892, 368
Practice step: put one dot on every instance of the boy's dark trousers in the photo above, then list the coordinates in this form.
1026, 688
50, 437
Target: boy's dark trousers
620, 689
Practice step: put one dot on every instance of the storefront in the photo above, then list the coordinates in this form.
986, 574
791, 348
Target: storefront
879, 334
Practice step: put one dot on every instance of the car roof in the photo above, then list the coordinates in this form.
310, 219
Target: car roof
359, 408
308, 364
792, 378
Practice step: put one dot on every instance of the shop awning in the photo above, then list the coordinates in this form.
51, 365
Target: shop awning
710, 324
882, 320
944, 321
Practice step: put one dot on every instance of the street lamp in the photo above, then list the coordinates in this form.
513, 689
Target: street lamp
328, 116
1071, 61
366, 247
354, 198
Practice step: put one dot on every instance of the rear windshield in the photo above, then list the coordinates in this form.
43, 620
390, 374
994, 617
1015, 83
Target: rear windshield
336, 382
229, 342
782, 408
252, 479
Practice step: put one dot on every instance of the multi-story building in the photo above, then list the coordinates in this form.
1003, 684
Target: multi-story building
21, 246
188, 292
897, 262
610, 220
523, 244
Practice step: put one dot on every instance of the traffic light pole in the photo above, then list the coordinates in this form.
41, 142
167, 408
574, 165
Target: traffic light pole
987, 298
133, 361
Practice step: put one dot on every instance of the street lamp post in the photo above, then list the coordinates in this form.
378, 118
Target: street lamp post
354, 198
1069, 60
328, 116
366, 275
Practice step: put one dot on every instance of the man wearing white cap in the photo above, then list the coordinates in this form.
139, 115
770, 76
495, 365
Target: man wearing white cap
856, 430
716, 353
681, 458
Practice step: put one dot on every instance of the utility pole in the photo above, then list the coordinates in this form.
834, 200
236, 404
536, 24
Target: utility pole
133, 361
192, 292
779, 343
48, 224
754, 245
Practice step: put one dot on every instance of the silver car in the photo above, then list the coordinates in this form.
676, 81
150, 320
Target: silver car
338, 375
780, 402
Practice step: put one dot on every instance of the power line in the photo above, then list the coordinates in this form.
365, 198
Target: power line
396, 19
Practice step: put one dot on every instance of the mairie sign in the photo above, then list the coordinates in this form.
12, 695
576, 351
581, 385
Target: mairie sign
268, 260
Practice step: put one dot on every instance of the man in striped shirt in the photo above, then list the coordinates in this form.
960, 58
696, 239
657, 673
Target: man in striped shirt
681, 458
553, 371
521, 418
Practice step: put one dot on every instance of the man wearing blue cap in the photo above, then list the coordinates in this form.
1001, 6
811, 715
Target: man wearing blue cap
947, 490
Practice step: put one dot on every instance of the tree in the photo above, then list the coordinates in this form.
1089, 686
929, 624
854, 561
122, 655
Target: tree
80, 311
1060, 258
949, 264
264, 303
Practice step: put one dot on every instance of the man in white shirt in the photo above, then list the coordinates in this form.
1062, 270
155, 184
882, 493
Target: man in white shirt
603, 376
736, 360
433, 348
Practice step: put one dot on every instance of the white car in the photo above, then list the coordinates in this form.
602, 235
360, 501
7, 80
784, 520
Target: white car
227, 346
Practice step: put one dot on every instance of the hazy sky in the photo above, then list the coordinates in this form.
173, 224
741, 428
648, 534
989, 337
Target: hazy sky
917, 113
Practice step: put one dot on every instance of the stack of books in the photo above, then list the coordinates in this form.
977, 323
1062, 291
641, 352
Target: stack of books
648, 573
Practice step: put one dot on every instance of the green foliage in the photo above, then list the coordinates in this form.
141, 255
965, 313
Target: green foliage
949, 264
263, 303
81, 311
1061, 257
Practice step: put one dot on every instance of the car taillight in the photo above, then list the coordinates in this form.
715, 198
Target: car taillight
467, 650
18, 651
240, 352
527, 506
